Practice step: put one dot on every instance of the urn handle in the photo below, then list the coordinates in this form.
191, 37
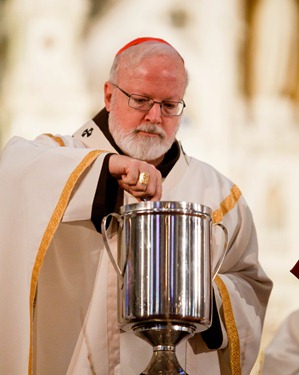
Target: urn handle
107, 246
224, 251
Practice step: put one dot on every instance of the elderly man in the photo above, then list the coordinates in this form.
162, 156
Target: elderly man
58, 289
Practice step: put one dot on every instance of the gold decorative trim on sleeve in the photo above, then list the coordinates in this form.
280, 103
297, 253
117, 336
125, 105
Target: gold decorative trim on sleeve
231, 328
227, 204
59, 140
49, 233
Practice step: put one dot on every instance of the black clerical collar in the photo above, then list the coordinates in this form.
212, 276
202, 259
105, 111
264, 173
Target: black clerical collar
171, 157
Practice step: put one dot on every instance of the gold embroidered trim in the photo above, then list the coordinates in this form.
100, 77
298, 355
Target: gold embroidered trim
227, 204
231, 328
59, 140
49, 233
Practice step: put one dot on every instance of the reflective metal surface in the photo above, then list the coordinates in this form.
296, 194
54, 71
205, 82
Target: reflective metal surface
164, 268
165, 254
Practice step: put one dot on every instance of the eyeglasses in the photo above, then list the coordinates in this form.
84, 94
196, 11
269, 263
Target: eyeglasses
145, 103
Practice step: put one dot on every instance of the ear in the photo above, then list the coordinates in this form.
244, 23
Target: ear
107, 95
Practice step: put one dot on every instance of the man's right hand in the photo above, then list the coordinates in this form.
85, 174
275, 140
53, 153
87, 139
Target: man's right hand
127, 172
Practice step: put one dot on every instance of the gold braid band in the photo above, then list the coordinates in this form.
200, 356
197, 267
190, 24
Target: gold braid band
231, 328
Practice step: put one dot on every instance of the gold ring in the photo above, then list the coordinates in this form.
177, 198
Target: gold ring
144, 178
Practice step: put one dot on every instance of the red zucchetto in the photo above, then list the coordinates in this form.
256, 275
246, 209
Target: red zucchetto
139, 41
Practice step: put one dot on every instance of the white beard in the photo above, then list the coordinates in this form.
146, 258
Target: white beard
138, 146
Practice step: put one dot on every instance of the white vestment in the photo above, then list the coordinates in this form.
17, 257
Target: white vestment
58, 288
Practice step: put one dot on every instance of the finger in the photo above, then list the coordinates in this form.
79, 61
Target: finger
139, 191
131, 178
139, 180
142, 180
153, 191
156, 193
138, 176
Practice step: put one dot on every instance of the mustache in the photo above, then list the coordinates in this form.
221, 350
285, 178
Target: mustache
151, 129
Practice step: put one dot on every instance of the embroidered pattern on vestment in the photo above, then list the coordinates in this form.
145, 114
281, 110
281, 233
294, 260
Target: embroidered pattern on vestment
231, 328
59, 140
227, 204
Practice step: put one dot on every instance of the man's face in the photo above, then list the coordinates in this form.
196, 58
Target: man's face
145, 135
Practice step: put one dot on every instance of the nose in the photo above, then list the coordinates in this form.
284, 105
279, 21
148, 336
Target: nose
154, 114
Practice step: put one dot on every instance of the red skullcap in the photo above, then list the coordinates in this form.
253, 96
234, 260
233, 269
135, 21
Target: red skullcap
139, 41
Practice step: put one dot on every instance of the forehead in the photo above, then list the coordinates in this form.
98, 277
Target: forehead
156, 73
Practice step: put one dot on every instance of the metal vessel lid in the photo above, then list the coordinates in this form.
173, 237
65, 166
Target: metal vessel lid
165, 207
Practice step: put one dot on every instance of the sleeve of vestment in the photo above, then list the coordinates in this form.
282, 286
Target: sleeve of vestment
243, 288
108, 196
96, 195
41, 183
57, 161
